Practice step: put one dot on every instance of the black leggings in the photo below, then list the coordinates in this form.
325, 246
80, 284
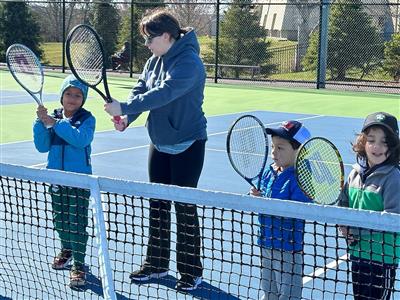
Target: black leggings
372, 280
182, 169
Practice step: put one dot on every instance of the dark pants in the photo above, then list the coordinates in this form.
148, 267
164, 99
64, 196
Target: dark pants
70, 218
372, 280
182, 169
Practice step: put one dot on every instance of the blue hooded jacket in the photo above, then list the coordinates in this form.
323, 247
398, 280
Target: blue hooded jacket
279, 232
171, 88
68, 141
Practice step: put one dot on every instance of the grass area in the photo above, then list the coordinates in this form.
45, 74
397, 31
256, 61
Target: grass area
52, 54
53, 57
16, 120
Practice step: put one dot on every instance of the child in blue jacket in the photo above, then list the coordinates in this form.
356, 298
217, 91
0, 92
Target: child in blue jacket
281, 239
67, 135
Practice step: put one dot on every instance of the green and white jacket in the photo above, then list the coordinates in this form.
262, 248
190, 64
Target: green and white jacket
378, 191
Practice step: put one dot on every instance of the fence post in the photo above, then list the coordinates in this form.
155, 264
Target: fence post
323, 43
216, 44
131, 37
63, 37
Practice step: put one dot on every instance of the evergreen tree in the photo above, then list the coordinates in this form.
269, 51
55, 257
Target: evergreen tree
139, 52
106, 21
310, 60
242, 39
353, 42
17, 25
392, 57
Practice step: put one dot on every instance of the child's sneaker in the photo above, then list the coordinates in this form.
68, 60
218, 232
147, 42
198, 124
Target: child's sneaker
62, 260
77, 276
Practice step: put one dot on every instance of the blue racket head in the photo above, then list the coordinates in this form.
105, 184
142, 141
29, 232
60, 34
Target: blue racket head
247, 147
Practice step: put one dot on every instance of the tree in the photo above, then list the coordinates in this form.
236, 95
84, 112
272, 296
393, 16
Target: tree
242, 39
310, 60
305, 9
17, 25
106, 21
194, 13
51, 17
353, 42
392, 57
139, 52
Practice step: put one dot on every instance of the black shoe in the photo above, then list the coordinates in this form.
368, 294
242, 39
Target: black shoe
188, 283
146, 273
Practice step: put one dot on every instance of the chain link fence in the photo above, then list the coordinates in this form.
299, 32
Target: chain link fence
279, 42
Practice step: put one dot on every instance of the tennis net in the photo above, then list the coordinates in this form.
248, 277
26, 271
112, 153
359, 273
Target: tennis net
118, 227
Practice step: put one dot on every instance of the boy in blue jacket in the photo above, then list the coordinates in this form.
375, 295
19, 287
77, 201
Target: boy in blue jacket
281, 239
66, 135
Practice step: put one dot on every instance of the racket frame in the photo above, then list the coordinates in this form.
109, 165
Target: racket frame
340, 161
107, 96
39, 100
228, 150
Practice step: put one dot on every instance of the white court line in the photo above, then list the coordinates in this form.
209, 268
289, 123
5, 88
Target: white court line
224, 150
101, 153
273, 123
318, 272
212, 134
209, 149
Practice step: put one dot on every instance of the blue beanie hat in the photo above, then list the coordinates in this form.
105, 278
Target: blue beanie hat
71, 81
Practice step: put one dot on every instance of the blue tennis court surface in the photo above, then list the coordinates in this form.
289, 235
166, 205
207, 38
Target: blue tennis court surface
124, 155
20, 97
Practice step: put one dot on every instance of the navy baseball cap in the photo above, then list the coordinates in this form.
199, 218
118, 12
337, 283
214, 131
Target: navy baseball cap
382, 119
292, 131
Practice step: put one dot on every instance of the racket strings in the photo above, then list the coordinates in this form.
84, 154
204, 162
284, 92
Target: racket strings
320, 171
248, 147
86, 56
26, 67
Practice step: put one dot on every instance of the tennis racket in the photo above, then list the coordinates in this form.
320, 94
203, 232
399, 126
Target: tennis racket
319, 170
26, 69
247, 147
86, 58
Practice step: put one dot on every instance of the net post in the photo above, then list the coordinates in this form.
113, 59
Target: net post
101, 240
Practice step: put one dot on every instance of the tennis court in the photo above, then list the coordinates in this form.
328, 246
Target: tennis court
336, 116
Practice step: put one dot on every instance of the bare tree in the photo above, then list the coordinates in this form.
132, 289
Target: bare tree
51, 17
195, 13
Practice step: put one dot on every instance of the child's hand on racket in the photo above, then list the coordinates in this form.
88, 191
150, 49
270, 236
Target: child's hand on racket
43, 116
345, 231
255, 192
113, 108
41, 112
120, 124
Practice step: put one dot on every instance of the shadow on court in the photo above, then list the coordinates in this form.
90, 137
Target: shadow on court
93, 284
204, 290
